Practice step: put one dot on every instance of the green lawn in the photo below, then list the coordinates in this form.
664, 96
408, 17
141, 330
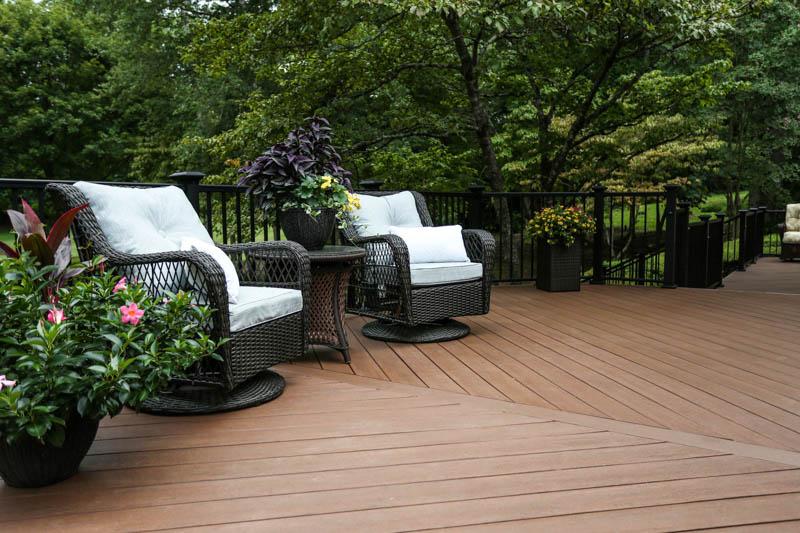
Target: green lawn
711, 206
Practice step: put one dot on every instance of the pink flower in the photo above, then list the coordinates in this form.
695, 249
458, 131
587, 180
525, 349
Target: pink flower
121, 285
55, 315
5, 382
131, 313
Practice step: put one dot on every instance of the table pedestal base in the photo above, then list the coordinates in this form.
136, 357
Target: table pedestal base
444, 330
202, 400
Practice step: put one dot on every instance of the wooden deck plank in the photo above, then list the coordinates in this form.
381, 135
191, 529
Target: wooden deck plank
612, 409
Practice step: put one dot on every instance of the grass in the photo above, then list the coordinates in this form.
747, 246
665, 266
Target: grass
713, 204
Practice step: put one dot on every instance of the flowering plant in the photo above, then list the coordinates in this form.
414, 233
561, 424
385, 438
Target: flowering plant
318, 192
280, 173
101, 343
561, 225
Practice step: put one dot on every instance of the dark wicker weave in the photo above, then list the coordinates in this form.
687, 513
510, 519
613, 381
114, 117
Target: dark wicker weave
558, 268
382, 287
249, 352
789, 252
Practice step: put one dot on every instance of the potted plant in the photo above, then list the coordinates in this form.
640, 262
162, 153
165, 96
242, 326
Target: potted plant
303, 179
73, 353
559, 232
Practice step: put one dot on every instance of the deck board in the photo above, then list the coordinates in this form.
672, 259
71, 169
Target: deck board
612, 409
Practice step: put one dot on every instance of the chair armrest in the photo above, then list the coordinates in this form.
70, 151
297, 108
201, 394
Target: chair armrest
781, 229
271, 264
479, 244
386, 251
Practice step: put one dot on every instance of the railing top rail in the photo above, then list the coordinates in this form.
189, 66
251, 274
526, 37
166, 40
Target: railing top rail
41, 184
637, 194
574, 194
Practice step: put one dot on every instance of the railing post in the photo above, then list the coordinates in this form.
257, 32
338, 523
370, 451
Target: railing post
670, 235
705, 219
720, 275
682, 244
371, 185
762, 226
190, 183
476, 206
640, 269
742, 239
752, 242
598, 273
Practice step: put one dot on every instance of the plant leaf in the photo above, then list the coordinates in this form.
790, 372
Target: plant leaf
37, 246
8, 251
18, 222
34, 224
61, 227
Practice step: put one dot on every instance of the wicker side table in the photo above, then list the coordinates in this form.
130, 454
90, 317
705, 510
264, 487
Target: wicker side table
330, 272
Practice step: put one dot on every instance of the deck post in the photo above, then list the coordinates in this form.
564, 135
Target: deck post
721, 274
371, 185
742, 239
476, 206
598, 273
682, 244
190, 183
670, 235
705, 220
762, 227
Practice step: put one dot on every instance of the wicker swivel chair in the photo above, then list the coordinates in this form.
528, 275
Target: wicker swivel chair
790, 233
416, 303
279, 270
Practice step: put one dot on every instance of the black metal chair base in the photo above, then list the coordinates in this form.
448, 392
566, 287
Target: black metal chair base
444, 330
203, 400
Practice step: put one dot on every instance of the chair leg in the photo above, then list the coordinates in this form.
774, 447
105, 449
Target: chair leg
440, 331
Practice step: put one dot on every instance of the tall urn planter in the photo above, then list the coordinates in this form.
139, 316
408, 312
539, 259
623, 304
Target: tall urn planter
558, 267
312, 232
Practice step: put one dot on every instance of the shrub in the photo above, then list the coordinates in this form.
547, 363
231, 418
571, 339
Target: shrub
104, 344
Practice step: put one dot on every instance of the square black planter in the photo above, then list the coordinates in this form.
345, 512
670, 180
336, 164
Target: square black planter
558, 268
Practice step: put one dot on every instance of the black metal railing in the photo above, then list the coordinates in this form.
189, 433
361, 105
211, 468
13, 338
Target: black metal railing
641, 238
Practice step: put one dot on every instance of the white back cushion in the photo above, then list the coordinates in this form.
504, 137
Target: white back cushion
231, 278
140, 221
442, 244
378, 213
793, 217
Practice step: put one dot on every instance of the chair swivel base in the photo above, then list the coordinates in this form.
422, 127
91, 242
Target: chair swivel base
441, 331
202, 400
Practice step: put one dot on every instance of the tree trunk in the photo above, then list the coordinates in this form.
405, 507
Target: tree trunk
484, 129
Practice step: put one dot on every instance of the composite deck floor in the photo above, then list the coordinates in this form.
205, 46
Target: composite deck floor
612, 409
770, 274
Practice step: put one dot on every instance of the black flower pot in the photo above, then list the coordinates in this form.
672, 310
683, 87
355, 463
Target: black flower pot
27, 463
558, 267
313, 232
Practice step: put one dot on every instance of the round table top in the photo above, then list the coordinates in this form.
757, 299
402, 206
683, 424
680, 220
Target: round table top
331, 254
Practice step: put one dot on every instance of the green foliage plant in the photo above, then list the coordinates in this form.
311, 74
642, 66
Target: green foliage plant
304, 171
559, 225
105, 344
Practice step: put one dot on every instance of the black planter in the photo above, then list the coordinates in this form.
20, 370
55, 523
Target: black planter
27, 463
313, 232
558, 267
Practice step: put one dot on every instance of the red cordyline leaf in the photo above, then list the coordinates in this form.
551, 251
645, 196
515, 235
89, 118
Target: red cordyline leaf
8, 251
34, 224
61, 227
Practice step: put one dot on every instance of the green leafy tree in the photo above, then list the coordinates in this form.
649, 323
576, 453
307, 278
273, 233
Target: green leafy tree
52, 122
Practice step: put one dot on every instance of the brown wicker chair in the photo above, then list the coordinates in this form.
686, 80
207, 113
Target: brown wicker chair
790, 233
240, 379
382, 287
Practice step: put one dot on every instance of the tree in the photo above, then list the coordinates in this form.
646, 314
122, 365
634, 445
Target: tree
53, 115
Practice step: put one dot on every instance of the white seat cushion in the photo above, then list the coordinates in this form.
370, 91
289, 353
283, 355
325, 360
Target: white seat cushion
141, 221
378, 213
791, 237
439, 273
261, 304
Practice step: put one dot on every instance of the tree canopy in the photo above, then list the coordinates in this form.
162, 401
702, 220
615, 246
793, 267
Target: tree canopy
428, 94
